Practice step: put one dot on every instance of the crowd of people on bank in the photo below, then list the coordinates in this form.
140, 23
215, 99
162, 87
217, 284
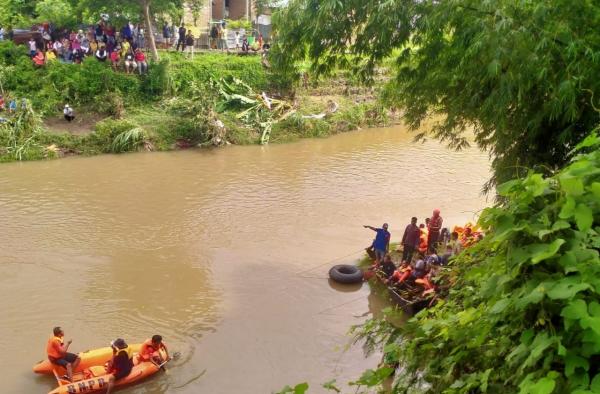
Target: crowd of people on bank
425, 248
124, 49
182, 38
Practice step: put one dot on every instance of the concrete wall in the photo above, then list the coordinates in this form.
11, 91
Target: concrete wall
237, 9
218, 9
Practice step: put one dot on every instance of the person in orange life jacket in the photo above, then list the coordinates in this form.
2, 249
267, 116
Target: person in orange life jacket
58, 355
381, 244
402, 273
410, 239
423, 238
467, 237
433, 262
150, 350
434, 227
418, 272
121, 364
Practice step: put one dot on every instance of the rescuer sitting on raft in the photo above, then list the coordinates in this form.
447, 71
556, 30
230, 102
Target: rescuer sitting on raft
58, 355
121, 364
404, 269
150, 350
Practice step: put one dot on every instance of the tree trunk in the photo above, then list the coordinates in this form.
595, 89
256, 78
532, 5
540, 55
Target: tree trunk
146, 8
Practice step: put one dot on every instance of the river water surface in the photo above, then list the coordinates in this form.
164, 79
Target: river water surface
205, 247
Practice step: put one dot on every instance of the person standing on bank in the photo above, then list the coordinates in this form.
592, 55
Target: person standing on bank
410, 240
68, 113
381, 244
189, 43
181, 40
434, 226
58, 355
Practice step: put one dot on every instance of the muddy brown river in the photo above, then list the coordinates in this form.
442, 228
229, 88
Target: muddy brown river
205, 247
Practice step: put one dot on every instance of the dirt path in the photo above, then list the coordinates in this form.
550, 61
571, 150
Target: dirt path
83, 124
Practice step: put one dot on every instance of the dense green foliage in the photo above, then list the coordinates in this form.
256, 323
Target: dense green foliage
520, 73
176, 105
523, 310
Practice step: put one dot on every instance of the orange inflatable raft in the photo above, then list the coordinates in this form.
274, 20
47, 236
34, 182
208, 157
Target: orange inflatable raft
95, 378
89, 358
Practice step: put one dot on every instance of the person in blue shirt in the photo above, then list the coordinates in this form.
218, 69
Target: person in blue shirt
381, 244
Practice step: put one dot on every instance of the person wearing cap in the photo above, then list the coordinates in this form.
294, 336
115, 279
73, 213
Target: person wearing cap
381, 244
433, 228
58, 354
68, 113
121, 364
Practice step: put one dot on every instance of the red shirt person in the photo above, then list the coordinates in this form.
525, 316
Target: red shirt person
434, 227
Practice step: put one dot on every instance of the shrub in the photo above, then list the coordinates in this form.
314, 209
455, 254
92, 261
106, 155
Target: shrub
523, 310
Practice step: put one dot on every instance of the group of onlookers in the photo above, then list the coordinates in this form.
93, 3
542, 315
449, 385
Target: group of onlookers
180, 37
123, 49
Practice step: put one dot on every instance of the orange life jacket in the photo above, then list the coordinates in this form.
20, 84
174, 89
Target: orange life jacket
51, 348
423, 238
148, 347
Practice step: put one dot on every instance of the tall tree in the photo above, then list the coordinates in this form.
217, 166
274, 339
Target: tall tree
522, 74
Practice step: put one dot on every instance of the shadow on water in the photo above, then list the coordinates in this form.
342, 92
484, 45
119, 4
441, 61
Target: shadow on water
344, 288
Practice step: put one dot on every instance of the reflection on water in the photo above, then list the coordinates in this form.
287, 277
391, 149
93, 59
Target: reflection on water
205, 247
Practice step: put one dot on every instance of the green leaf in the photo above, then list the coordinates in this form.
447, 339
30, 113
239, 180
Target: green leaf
568, 209
543, 386
500, 306
590, 140
557, 226
505, 188
595, 385
569, 262
567, 288
572, 186
576, 310
541, 252
457, 384
331, 386
596, 189
494, 68
300, 388
583, 217
572, 362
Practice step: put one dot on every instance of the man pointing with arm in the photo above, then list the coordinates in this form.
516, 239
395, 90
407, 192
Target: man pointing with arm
382, 241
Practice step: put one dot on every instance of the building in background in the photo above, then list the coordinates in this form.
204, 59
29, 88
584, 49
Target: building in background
233, 9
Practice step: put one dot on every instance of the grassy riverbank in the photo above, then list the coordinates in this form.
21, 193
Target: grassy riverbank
214, 99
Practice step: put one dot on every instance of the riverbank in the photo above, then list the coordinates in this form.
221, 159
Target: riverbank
215, 99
